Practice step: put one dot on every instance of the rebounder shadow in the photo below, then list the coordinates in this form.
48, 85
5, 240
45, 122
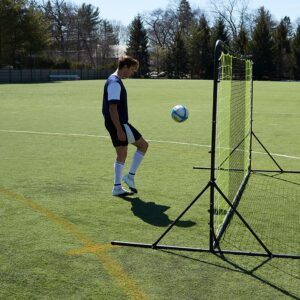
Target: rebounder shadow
263, 270
154, 214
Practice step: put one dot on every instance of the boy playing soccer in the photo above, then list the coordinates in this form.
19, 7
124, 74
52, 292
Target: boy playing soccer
122, 133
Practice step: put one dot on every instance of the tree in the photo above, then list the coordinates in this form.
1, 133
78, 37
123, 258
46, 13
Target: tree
233, 12
219, 32
177, 61
120, 31
296, 53
262, 45
241, 42
74, 32
158, 58
137, 45
161, 27
10, 31
36, 34
88, 20
59, 15
200, 54
281, 49
23, 32
106, 39
185, 17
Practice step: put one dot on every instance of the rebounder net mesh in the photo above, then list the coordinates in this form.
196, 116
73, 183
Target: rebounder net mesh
233, 132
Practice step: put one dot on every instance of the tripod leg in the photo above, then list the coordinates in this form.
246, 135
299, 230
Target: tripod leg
180, 216
281, 170
244, 221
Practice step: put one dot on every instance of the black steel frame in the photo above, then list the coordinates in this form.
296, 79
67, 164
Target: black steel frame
214, 240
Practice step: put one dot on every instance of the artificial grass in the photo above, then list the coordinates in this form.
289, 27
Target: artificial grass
56, 174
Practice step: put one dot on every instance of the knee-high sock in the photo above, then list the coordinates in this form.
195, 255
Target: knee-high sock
136, 161
118, 166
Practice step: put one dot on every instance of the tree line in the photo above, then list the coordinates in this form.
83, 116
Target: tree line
178, 40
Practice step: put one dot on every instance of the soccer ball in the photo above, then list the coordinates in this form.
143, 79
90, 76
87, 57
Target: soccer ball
179, 113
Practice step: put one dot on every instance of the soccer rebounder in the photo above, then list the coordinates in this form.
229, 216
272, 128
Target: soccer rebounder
231, 155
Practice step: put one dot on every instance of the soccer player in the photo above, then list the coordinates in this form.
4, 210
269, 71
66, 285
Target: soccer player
122, 133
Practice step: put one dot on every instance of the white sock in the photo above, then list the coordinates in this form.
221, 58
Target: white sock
136, 161
118, 166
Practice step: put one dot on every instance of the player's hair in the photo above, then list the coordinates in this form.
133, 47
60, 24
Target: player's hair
127, 61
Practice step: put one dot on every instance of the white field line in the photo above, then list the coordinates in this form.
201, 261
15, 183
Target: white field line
149, 140
277, 114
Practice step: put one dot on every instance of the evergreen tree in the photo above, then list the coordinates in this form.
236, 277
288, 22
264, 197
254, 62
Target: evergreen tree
36, 34
262, 45
137, 45
200, 53
241, 43
185, 17
296, 53
88, 18
10, 31
281, 49
194, 46
177, 61
23, 33
88, 21
219, 32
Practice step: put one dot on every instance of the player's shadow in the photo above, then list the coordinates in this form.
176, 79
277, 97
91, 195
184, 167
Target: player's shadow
154, 214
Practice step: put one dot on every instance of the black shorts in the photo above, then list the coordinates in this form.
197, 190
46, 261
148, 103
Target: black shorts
132, 135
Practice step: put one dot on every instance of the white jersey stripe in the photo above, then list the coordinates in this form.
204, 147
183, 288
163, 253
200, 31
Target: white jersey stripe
130, 136
113, 91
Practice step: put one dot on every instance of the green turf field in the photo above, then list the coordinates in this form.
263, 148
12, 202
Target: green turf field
57, 215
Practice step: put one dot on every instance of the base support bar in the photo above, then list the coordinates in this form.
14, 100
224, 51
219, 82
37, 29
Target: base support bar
192, 249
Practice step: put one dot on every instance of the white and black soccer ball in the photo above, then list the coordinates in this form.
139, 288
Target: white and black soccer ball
179, 113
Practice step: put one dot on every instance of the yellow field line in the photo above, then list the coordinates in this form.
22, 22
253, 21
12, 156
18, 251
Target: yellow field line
109, 264
95, 248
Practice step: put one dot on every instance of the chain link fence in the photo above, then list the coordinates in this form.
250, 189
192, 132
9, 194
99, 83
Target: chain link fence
44, 75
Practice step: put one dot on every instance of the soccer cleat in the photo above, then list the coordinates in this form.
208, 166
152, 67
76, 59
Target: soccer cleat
121, 192
130, 183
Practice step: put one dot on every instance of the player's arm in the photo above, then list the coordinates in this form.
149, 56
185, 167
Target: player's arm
114, 115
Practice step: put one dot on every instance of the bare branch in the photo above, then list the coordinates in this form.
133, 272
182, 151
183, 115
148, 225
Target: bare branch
234, 13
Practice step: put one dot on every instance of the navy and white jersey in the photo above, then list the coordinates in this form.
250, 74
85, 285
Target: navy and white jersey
115, 92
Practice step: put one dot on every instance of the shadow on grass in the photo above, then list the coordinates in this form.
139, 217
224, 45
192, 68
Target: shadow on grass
277, 177
154, 214
264, 265
269, 269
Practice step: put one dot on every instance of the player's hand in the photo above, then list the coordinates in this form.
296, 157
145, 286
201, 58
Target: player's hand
121, 135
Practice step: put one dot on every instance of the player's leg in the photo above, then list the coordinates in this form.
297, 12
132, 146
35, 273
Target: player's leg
138, 156
121, 150
119, 165
118, 171
142, 146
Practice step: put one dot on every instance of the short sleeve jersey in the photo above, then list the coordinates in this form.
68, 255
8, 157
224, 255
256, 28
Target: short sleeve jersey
115, 92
